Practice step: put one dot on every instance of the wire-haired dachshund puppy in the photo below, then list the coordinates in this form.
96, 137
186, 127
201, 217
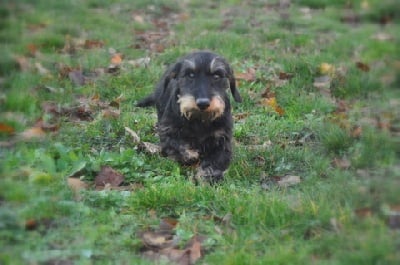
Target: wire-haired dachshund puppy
194, 113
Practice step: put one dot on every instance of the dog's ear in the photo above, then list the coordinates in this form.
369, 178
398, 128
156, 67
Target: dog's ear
232, 85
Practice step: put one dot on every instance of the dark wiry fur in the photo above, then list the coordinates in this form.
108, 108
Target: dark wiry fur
194, 112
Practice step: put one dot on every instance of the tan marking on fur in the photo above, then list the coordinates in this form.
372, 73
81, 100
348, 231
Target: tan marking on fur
189, 64
187, 105
219, 133
191, 154
216, 64
189, 109
216, 108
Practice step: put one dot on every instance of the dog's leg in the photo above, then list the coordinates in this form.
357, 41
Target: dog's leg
215, 161
177, 148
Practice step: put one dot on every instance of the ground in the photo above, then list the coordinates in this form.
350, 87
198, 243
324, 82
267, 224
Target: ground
316, 170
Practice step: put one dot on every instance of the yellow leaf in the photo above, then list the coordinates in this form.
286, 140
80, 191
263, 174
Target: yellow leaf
326, 69
116, 59
31, 133
76, 184
272, 103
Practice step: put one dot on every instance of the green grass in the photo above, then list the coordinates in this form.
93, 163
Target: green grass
335, 215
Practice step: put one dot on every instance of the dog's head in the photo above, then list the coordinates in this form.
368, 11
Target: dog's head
203, 78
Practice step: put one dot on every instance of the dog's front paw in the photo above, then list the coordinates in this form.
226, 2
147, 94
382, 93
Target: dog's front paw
190, 156
209, 175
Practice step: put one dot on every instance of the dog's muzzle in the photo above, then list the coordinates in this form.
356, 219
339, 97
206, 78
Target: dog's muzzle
201, 108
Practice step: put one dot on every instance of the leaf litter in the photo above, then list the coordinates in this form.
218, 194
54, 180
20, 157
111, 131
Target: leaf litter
162, 244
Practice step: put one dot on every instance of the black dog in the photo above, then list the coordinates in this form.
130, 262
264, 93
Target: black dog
194, 113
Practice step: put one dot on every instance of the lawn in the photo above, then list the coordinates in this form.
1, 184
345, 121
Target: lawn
315, 177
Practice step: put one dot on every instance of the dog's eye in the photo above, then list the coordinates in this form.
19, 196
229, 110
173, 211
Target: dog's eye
218, 75
190, 74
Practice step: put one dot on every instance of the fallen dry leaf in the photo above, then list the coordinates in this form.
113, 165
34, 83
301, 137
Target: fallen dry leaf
356, 132
116, 59
109, 113
241, 116
335, 224
41, 69
363, 66
32, 133
32, 49
272, 103
157, 240
288, 181
23, 63
326, 69
168, 224
248, 76
77, 78
382, 36
268, 93
341, 163
108, 175
76, 184
92, 44
194, 246
34, 224
150, 148
363, 212
5, 128
393, 215
135, 136
285, 76
141, 62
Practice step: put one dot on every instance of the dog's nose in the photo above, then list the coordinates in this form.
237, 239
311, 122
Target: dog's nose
203, 103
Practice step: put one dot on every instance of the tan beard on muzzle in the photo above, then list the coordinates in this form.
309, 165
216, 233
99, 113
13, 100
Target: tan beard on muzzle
189, 109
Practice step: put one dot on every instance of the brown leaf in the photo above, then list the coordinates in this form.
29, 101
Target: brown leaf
195, 250
32, 133
41, 69
116, 59
341, 163
394, 217
248, 76
150, 148
268, 93
92, 44
76, 76
23, 63
168, 224
288, 181
109, 113
76, 184
32, 49
135, 136
356, 132
363, 66
108, 175
363, 212
285, 76
141, 62
382, 36
5, 128
272, 103
157, 240
33, 224
241, 116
